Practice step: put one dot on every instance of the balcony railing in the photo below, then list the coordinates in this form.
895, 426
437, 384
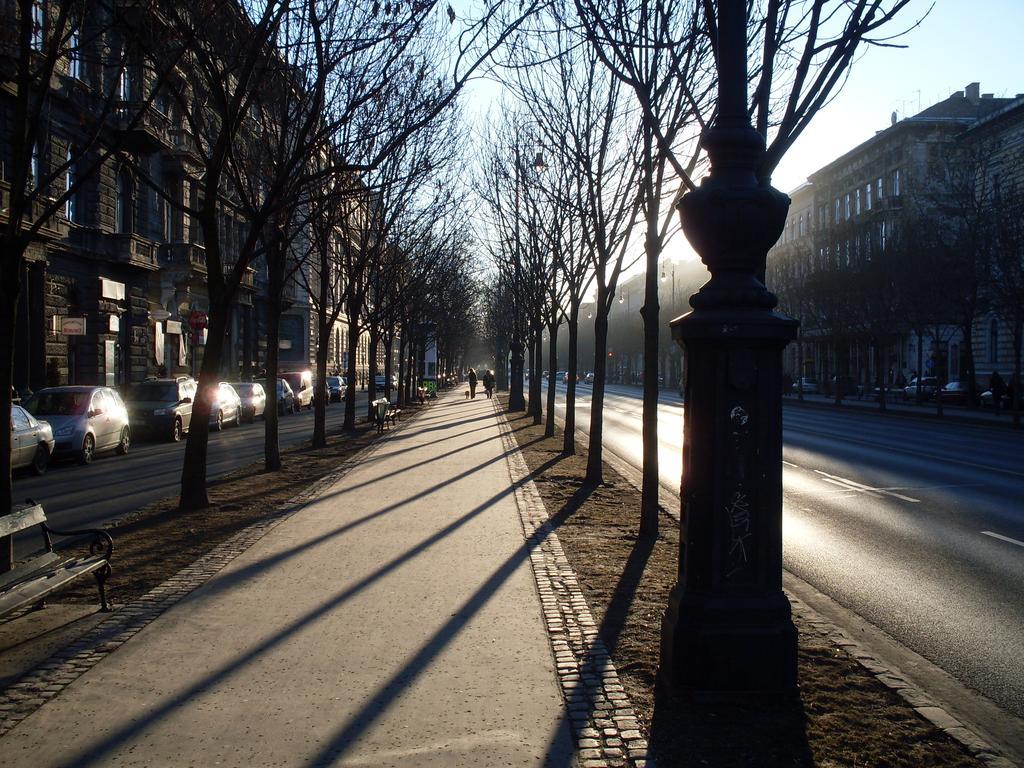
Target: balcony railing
142, 127
122, 247
184, 255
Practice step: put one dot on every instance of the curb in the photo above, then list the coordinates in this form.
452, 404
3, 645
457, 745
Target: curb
47, 680
602, 721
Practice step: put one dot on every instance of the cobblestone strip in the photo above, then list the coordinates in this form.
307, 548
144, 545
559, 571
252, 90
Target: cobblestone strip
47, 680
603, 723
892, 678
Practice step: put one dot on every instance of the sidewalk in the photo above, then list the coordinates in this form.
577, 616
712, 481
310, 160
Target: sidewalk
394, 621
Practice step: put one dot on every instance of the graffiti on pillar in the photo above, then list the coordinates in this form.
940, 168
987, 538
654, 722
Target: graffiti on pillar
737, 508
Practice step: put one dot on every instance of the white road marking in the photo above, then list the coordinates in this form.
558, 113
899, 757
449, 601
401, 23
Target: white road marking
1003, 538
791, 464
854, 485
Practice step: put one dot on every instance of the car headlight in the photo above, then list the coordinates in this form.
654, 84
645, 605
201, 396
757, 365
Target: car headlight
161, 412
64, 431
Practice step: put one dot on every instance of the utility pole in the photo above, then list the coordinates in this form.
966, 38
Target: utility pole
728, 627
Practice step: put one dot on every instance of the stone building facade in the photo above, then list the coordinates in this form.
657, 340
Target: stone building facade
849, 213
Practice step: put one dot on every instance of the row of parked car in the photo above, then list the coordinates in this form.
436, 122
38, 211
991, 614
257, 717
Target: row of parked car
952, 393
82, 421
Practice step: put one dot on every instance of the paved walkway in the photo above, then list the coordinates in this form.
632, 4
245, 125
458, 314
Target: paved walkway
394, 621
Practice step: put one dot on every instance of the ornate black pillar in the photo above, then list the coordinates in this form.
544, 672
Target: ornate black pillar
728, 627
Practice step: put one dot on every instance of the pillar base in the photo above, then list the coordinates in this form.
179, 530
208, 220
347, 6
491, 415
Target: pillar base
725, 647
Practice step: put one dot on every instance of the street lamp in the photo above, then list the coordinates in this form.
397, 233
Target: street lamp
728, 627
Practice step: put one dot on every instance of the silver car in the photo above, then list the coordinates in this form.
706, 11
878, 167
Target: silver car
225, 406
254, 399
85, 420
31, 441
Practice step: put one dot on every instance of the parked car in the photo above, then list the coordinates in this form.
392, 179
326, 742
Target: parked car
163, 407
252, 399
929, 386
84, 420
954, 393
225, 406
562, 377
380, 382
589, 378
286, 402
805, 385
336, 388
301, 383
31, 441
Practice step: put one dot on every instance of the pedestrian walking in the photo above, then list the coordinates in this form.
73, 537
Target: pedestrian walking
488, 383
472, 383
997, 388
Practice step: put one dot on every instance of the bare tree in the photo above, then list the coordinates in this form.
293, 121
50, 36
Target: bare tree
49, 155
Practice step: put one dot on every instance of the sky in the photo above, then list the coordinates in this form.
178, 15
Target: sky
959, 42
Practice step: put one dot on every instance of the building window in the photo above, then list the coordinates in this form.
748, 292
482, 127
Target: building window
867, 197
858, 201
846, 206
36, 167
993, 340
837, 211
882, 237
70, 205
878, 186
896, 183
38, 25
75, 56
124, 84
125, 207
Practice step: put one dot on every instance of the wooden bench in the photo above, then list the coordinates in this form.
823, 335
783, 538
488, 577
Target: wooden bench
392, 415
30, 582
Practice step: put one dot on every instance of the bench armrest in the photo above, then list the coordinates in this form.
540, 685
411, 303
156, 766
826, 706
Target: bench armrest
101, 540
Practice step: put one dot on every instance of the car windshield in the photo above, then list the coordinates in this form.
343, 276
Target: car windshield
164, 392
334, 381
58, 403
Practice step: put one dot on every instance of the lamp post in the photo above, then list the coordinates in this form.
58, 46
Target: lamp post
728, 627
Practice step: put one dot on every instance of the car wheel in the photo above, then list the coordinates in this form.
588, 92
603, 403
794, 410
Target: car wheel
41, 460
176, 431
220, 421
88, 449
125, 442
296, 408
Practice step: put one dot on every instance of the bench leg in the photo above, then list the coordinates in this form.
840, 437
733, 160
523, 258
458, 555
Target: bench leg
101, 580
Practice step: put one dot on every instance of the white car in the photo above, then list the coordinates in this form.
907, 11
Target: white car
253, 399
85, 420
31, 441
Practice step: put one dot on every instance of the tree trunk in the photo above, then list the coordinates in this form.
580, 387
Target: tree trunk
595, 474
549, 422
1018, 332
349, 424
800, 361
371, 376
880, 375
501, 370
920, 364
537, 375
10, 288
649, 313
569, 428
321, 394
193, 471
401, 370
389, 346
516, 401
968, 365
275, 289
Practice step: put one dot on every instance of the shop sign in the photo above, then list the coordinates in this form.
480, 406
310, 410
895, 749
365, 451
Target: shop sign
173, 326
113, 323
72, 326
111, 289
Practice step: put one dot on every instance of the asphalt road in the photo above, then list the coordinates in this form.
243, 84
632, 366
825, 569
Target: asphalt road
76, 496
917, 526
